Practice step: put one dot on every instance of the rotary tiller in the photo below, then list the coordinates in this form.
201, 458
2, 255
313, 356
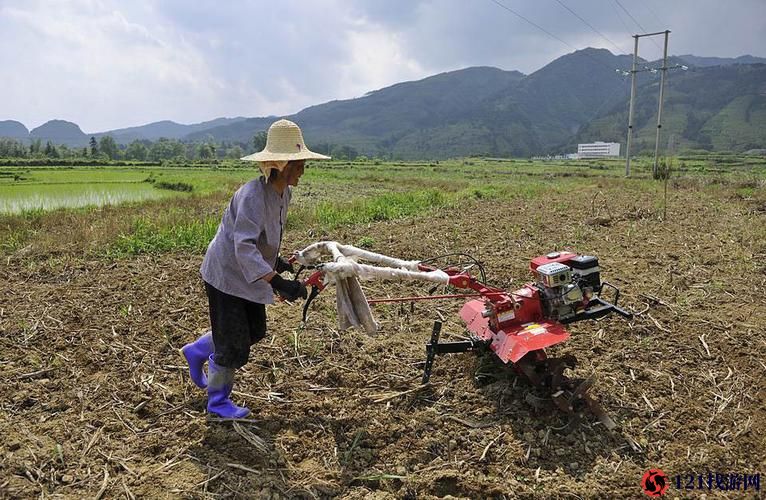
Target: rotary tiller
517, 326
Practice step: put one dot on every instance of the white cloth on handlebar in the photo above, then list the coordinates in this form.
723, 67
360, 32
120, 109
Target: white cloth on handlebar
344, 270
348, 267
312, 254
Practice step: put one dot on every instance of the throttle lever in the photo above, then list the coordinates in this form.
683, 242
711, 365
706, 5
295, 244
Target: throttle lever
317, 285
315, 281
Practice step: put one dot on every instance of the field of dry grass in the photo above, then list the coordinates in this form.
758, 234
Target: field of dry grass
97, 402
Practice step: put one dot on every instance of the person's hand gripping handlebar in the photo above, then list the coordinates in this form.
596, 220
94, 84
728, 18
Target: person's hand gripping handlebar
315, 280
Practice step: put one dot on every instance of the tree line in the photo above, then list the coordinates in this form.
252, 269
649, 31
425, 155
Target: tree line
106, 148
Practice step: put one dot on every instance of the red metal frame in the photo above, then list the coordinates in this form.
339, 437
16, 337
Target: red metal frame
512, 322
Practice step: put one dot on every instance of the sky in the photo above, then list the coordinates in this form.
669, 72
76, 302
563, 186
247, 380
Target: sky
107, 64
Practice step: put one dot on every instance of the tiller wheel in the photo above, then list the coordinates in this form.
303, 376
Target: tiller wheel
568, 395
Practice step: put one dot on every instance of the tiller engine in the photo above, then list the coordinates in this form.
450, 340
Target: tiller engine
517, 326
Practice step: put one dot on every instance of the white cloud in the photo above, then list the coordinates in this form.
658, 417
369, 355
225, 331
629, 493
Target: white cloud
116, 63
377, 58
85, 61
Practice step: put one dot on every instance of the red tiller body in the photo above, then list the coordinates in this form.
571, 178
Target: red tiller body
514, 332
512, 323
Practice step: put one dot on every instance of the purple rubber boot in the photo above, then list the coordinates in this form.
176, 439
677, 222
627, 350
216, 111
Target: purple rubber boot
219, 388
196, 353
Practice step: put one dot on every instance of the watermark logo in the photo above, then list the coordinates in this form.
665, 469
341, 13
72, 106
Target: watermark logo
719, 481
655, 483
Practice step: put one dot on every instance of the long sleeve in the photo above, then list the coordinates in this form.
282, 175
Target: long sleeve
248, 228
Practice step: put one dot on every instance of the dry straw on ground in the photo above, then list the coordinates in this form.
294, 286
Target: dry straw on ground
96, 401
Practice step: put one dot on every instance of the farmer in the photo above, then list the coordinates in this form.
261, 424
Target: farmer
242, 267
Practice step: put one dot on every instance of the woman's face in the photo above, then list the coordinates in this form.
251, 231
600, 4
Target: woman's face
293, 171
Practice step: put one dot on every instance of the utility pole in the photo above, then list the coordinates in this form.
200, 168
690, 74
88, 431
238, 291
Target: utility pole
633, 72
630, 112
659, 110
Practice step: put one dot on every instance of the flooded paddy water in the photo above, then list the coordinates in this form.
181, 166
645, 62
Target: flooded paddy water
32, 189
25, 197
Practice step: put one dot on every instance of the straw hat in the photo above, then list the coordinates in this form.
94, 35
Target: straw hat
284, 142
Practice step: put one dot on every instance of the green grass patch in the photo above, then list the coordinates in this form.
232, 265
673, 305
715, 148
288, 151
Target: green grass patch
365, 242
390, 206
13, 241
147, 236
379, 208
118, 210
173, 233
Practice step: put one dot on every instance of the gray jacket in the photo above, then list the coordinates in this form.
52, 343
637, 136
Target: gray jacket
246, 245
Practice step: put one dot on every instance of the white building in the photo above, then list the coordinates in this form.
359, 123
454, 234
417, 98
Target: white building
598, 149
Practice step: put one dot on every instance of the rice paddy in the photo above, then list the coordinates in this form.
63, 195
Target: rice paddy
44, 189
18, 199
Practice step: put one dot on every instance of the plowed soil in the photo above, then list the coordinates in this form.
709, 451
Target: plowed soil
96, 402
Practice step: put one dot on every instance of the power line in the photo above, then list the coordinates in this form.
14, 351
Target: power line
502, 5
646, 4
590, 26
630, 16
532, 23
637, 23
627, 30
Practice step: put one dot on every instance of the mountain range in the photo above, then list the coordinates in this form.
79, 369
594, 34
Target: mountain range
64, 132
710, 103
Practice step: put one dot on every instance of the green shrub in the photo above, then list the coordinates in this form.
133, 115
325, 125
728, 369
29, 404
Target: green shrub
366, 242
174, 186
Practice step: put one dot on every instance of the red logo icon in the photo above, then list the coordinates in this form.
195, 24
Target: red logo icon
655, 483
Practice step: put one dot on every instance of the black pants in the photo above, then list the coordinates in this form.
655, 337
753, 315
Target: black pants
237, 324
